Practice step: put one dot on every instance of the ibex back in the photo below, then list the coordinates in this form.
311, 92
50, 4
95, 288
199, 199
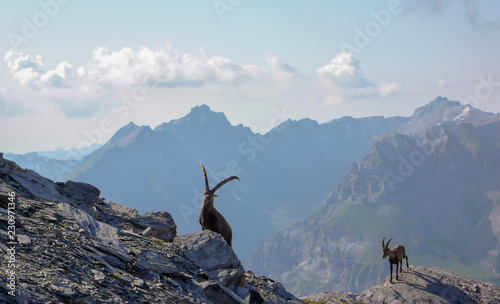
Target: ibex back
210, 218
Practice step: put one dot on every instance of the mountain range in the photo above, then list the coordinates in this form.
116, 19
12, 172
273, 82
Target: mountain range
285, 174
52, 164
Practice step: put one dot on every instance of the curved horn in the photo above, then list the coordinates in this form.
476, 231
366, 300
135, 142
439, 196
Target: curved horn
383, 245
388, 243
206, 178
225, 181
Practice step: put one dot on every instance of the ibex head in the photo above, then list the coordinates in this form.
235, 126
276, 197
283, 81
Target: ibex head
210, 194
385, 248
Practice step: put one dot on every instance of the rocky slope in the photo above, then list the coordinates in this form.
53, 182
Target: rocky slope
61, 242
418, 285
440, 198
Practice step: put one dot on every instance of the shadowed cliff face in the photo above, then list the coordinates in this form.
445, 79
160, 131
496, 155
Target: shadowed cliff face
439, 197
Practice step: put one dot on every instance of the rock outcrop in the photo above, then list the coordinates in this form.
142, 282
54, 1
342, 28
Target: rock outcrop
71, 246
431, 285
418, 285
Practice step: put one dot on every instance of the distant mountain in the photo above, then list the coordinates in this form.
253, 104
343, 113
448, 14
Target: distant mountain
69, 154
52, 164
441, 111
51, 168
440, 198
284, 174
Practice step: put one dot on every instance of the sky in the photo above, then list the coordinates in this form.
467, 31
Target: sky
74, 72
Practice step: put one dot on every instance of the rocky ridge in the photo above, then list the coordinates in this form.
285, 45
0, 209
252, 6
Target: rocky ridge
71, 246
418, 285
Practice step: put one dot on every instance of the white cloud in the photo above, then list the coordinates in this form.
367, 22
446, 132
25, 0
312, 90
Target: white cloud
343, 71
61, 82
25, 68
165, 66
387, 89
113, 69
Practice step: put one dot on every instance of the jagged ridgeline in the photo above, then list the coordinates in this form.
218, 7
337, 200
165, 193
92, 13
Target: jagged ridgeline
70, 246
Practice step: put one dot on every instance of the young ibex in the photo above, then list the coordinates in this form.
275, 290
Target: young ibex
396, 256
210, 218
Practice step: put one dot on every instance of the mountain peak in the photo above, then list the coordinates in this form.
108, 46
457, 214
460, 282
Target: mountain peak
200, 115
201, 109
203, 112
437, 105
123, 131
444, 101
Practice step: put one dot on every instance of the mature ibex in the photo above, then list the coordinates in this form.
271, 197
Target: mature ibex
396, 256
210, 218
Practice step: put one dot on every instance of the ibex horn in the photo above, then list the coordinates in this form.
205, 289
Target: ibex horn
206, 178
225, 181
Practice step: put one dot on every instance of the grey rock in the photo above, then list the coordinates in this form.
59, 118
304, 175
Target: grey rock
141, 265
80, 193
62, 290
210, 250
431, 285
23, 239
98, 275
226, 277
160, 263
147, 232
218, 294
102, 231
331, 298
138, 282
161, 223
122, 211
212, 254
33, 185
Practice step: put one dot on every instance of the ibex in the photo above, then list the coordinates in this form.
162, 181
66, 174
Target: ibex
210, 218
396, 256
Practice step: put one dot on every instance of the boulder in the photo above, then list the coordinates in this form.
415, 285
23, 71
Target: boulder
213, 255
161, 223
210, 250
80, 193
